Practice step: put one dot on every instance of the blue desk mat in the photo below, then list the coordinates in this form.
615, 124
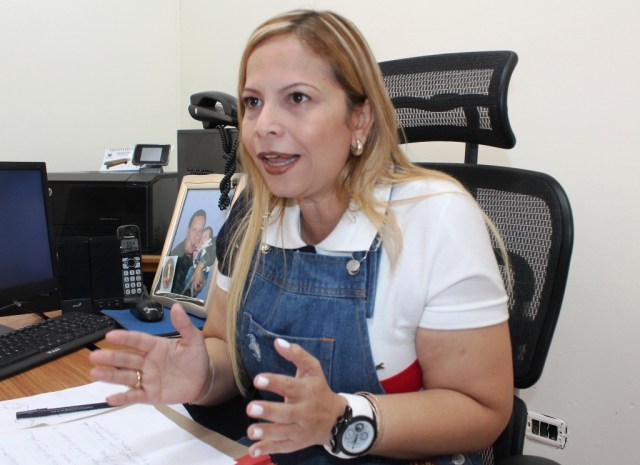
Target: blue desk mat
158, 328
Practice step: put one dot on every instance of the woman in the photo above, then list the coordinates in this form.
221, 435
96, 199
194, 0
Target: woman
351, 283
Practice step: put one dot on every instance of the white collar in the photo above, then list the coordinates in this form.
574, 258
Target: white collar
353, 232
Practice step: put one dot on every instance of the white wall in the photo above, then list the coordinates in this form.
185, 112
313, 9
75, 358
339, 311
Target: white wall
79, 76
573, 103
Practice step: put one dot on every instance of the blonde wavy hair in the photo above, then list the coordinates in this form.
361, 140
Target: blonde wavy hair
341, 45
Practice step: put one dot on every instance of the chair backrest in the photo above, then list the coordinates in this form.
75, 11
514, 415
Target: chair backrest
463, 97
532, 213
453, 97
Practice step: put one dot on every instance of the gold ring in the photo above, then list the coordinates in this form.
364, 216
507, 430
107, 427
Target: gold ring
138, 384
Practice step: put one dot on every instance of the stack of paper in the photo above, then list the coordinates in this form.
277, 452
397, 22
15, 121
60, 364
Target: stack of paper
137, 434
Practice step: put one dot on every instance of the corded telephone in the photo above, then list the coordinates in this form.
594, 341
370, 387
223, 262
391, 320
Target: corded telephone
214, 109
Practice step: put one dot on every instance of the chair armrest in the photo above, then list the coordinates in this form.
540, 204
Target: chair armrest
527, 460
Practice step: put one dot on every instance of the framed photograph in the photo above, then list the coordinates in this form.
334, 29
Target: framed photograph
187, 264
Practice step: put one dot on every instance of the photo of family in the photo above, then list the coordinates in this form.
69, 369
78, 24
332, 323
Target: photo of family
187, 266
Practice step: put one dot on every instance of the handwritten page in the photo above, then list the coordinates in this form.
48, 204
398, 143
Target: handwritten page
134, 435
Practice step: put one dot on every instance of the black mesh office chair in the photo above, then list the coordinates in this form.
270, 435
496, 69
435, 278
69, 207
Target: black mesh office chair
463, 97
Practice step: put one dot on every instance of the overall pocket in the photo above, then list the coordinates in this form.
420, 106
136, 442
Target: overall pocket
259, 354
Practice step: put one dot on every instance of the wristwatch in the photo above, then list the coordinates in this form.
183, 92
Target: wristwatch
356, 430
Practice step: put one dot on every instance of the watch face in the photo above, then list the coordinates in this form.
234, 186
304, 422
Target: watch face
358, 436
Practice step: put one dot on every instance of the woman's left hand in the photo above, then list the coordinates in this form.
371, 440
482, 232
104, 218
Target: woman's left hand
309, 410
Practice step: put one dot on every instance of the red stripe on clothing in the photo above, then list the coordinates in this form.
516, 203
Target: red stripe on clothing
408, 380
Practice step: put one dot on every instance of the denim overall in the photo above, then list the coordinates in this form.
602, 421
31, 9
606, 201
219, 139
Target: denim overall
313, 301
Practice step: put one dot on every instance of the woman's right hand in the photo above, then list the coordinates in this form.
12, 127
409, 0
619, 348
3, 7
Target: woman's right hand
171, 370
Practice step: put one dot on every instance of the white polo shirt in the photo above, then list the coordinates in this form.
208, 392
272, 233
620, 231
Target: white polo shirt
445, 278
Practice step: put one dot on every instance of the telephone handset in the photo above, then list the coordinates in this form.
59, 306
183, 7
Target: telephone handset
214, 108
132, 284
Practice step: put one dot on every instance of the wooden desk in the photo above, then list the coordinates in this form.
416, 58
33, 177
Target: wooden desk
150, 263
66, 372
72, 370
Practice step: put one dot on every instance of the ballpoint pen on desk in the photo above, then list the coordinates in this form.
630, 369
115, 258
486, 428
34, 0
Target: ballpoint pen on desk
44, 412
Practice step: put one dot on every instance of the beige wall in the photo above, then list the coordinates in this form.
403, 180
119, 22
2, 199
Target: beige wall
79, 76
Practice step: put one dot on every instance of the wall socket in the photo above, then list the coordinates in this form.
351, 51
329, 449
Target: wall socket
546, 429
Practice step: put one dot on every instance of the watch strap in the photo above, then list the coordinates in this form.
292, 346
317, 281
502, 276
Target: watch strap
357, 406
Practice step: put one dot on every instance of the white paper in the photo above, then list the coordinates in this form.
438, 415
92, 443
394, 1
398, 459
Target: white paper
134, 435
86, 394
118, 159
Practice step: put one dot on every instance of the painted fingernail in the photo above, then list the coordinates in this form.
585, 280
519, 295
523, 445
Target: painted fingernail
256, 410
262, 382
256, 453
282, 343
257, 433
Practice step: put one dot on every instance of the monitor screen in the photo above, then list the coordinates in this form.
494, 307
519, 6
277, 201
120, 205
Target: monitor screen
27, 257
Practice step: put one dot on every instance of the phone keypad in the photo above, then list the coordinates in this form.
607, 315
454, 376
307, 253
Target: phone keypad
132, 276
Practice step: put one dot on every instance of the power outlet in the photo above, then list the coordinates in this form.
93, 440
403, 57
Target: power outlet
546, 429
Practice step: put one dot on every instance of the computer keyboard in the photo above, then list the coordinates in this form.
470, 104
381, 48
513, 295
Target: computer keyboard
40, 342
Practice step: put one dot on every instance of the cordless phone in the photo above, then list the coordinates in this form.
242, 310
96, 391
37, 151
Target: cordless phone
132, 284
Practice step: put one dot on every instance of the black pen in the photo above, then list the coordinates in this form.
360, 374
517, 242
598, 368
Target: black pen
43, 412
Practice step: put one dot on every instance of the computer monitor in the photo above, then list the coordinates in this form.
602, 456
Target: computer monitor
27, 255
